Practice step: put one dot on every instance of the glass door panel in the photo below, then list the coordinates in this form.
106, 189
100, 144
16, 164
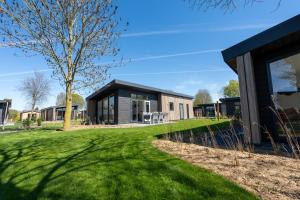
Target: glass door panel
105, 110
181, 111
140, 110
100, 113
111, 109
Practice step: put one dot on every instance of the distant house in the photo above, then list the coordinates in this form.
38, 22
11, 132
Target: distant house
121, 102
227, 107
27, 114
57, 113
206, 110
4, 110
82, 115
230, 106
268, 67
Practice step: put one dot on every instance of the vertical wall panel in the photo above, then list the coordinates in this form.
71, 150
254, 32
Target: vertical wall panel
249, 106
244, 97
252, 99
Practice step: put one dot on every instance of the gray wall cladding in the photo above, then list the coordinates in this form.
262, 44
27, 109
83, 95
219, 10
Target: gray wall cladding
124, 104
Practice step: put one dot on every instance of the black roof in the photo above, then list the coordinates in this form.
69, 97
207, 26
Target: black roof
268, 36
230, 99
116, 82
50, 107
5, 101
205, 105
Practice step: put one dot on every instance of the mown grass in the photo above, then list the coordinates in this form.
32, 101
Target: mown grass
104, 164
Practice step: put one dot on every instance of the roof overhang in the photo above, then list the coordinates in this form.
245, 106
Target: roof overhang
115, 84
6, 101
265, 38
59, 107
230, 99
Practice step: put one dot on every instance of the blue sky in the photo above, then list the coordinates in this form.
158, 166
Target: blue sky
171, 46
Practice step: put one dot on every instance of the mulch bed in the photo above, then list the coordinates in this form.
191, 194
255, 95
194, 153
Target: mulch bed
270, 177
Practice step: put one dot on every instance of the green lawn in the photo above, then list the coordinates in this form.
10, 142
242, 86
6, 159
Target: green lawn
104, 164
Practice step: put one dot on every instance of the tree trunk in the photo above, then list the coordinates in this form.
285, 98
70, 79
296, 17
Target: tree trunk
70, 76
31, 112
68, 112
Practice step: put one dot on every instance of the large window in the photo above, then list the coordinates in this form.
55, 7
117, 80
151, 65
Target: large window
106, 110
171, 106
285, 77
100, 113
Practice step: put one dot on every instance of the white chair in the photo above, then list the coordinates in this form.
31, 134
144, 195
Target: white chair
155, 118
165, 117
161, 118
147, 118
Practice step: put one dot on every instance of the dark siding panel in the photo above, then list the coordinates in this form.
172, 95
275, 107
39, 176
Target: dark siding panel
116, 107
124, 104
153, 105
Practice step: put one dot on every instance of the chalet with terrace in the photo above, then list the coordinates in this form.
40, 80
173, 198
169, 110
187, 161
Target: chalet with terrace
121, 102
28, 114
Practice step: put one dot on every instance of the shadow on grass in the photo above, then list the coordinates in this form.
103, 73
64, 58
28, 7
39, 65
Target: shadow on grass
105, 167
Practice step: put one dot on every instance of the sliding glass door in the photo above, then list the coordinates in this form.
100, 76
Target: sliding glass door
285, 77
138, 107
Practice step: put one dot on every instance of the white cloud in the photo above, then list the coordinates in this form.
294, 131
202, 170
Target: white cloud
177, 54
150, 33
24, 72
240, 27
197, 30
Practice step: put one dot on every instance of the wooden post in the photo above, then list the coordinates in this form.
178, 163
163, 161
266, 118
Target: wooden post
249, 107
252, 99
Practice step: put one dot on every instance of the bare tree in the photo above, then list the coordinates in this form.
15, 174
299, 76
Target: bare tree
225, 4
72, 35
77, 99
35, 89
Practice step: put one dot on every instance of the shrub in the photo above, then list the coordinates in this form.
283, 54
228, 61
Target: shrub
39, 122
33, 118
26, 123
